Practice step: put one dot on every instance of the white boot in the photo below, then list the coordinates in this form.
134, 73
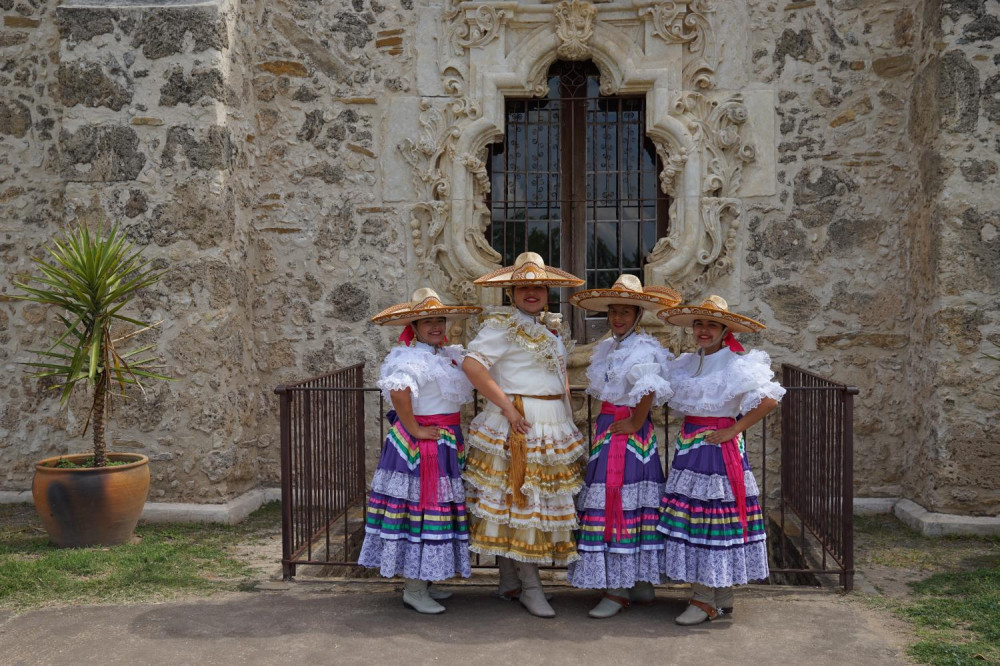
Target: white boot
700, 608
510, 584
532, 596
437, 594
724, 598
614, 601
416, 597
642, 593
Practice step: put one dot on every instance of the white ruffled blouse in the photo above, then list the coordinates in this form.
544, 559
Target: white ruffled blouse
623, 376
436, 381
523, 356
729, 384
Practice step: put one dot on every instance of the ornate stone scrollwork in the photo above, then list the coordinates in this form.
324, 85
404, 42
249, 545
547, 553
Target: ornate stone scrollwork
688, 24
575, 27
479, 30
673, 159
717, 128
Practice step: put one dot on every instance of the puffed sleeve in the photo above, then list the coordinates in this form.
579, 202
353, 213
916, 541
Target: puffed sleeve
650, 377
400, 371
755, 375
488, 345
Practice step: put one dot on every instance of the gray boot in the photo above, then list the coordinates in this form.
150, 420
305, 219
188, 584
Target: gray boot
642, 593
510, 584
614, 601
700, 608
436, 593
532, 597
416, 597
724, 598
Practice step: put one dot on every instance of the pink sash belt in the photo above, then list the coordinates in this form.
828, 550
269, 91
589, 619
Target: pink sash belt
614, 516
430, 467
733, 461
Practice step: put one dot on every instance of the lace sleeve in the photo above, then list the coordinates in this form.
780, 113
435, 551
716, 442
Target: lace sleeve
752, 399
400, 371
644, 378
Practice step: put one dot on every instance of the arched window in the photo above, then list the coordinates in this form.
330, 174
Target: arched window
575, 179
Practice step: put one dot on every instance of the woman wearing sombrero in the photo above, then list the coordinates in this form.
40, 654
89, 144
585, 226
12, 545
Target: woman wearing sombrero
709, 514
619, 545
416, 524
526, 456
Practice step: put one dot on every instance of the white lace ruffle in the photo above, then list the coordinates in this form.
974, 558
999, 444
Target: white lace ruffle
623, 376
531, 335
411, 367
604, 570
714, 567
710, 393
422, 561
547, 443
645, 494
407, 486
697, 486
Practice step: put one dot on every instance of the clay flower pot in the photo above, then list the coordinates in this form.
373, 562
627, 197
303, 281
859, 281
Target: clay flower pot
91, 506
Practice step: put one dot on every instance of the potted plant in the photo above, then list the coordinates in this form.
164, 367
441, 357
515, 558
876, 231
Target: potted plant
92, 498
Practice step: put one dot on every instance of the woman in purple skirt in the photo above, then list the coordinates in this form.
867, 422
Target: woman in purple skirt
709, 515
416, 524
617, 509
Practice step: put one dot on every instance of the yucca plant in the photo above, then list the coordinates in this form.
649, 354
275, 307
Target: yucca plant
91, 277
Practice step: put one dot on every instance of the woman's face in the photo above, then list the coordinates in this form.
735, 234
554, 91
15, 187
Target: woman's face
621, 318
431, 331
531, 298
708, 334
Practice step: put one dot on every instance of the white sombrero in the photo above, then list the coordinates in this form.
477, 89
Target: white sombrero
627, 290
713, 308
529, 269
425, 303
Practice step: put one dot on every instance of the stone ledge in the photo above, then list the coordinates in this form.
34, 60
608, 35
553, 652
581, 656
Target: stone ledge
230, 513
871, 506
941, 524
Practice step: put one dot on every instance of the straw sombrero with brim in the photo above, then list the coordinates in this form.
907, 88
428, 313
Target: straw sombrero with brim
713, 308
425, 303
627, 290
529, 269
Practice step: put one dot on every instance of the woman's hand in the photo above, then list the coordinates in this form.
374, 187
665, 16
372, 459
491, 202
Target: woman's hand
624, 427
426, 432
517, 422
724, 435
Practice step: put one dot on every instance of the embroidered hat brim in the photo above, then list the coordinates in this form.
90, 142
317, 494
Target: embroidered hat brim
652, 299
402, 314
686, 314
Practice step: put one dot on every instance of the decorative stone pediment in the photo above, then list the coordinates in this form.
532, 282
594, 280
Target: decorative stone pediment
488, 51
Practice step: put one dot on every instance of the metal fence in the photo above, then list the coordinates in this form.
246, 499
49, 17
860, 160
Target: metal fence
817, 473
323, 472
322, 463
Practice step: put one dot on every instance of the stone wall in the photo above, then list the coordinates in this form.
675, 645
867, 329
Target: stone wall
255, 149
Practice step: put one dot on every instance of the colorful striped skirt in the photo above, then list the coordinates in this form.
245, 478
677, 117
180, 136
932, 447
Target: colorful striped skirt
611, 558
705, 542
402, 538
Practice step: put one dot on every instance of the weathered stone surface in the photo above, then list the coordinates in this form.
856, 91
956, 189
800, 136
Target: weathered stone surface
215, 151
350, 302
88, 84
182, 89
820, 183
978, 171
206, 221
854, 234
15, 118
328, 173
81, 25
797, 45
137, 203
991, 98
101, 153
162, 32
959, 328
958, 93
876, 340
892, 66
792, 305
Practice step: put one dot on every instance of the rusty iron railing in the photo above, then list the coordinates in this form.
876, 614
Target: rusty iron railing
322, 463
817, 472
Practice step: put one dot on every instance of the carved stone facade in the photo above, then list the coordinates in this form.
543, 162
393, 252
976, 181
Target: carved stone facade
832, 169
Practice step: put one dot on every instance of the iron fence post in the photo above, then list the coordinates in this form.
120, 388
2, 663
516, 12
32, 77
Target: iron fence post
284, 425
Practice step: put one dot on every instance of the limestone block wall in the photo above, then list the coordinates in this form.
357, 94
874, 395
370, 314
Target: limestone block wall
254, 149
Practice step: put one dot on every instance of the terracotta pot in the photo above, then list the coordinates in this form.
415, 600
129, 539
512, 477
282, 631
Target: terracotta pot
91, 506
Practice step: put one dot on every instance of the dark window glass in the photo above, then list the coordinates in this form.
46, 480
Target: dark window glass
575, 180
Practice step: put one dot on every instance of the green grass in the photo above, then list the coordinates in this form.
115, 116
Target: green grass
167, 561
955, 606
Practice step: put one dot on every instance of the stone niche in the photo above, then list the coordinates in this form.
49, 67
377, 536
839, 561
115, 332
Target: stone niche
716, 145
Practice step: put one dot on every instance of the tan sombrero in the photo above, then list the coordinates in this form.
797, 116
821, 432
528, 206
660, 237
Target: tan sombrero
529, 268
713, 308
627, 290
425, 303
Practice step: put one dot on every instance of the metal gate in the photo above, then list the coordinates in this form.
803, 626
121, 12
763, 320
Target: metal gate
323, 429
